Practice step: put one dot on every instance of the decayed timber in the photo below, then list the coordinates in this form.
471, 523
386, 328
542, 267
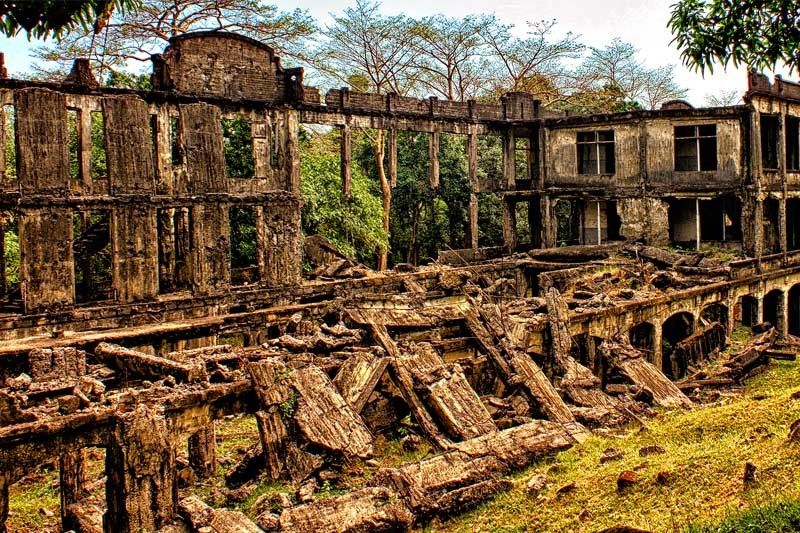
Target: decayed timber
558, 312
630, 362
325, 418
539, 387
369, 509
405, 383
310, 398
456, 405
358, 376
429, 485
133, 363
200, 515
516, 366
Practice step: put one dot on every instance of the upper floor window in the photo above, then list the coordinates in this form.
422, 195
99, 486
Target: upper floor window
792, 143
769, 141
696, 148
596, 152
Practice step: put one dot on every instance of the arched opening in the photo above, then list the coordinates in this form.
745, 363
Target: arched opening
674, 330
773, 308
747, 311
716, 312
794, 310
643, 337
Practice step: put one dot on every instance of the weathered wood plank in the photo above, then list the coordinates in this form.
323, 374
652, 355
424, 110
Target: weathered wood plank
143, 365
448, 394
325, 418
370, 509
358, 376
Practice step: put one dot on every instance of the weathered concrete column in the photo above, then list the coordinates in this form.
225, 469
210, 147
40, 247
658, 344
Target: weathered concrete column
509, 224
203, 451
474, 186
391, 156
658, 353
509, 160
3, 504
783, 313
141, 489
345, 160
433, 157
72, 483
696, 221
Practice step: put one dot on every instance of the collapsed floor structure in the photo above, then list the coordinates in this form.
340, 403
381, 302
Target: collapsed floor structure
498, 355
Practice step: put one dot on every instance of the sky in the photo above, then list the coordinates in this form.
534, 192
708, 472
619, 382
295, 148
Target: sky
641, 22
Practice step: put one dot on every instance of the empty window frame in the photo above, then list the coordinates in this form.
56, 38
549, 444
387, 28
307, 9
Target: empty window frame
9, 144
696, 148
74, 143
10, 296
522, 158
244, 245
98, 165
769, 141
176, 149
596, 152
792, 143
91, 252
237, 142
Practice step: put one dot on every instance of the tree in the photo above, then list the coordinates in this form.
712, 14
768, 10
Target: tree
534, 63
134, 35
759, 34
617, 67
376, 51
451, 55
354, 227
42, 18
723, 99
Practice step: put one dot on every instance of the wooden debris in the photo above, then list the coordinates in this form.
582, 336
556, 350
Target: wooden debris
201, 515
370, 509
427, 485
516, 366
629, 361
325, 418
358, 376
455, 404
405, 384
138, 364
301, 407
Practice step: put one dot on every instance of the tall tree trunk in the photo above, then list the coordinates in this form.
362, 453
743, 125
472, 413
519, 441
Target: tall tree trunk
386, 191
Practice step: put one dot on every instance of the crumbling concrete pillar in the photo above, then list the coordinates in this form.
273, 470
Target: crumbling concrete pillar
783, 313
433, 156
203, 451
658, 352
509, 160
472, 168
509, 225
72, 483
3, 504
141, 488
345, 161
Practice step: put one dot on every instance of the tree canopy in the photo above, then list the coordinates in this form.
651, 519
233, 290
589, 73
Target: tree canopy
42, 18
760, 34
136, 34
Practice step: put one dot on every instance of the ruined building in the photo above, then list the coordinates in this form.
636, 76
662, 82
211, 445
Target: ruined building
499, 354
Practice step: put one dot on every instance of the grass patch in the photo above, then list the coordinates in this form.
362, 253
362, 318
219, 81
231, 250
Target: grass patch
706, 449
781, 517
29, 496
